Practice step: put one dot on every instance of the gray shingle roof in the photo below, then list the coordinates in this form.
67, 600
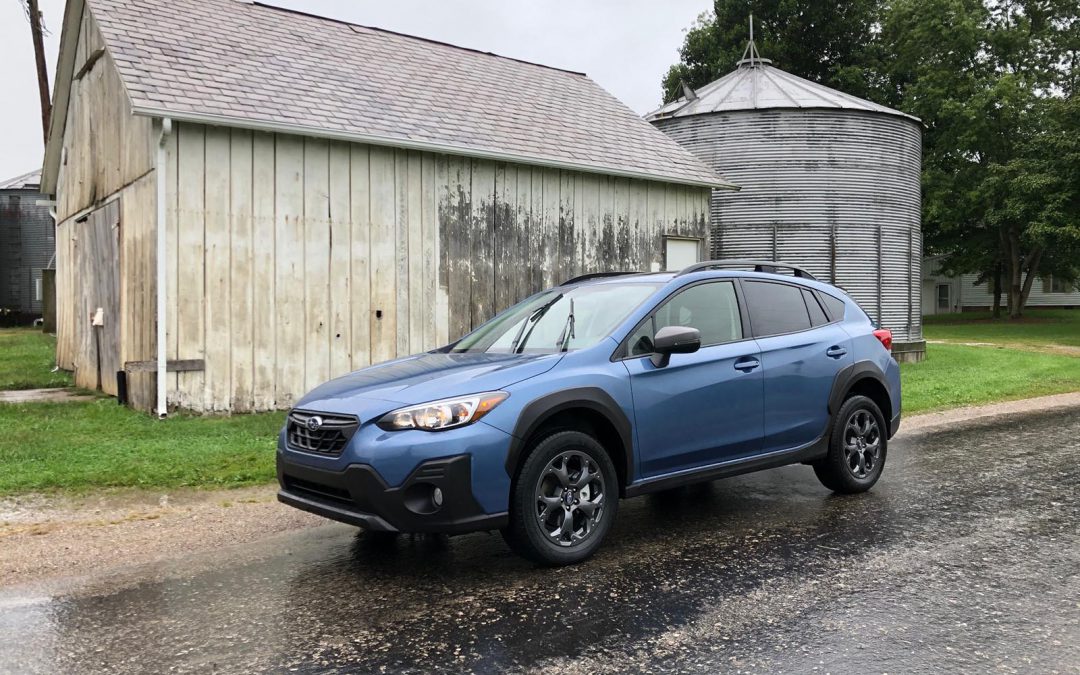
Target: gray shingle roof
251, 64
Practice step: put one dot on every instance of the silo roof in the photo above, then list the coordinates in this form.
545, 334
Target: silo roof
757, 85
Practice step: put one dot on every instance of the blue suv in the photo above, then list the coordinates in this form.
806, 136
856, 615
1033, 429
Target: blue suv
609, 386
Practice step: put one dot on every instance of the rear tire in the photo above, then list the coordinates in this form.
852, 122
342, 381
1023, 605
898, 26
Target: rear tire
858, 444
564, 500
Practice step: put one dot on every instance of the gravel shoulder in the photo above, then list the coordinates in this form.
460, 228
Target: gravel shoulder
50, 537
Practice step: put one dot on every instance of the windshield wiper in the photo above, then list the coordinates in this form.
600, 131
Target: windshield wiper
518, 345
568, 329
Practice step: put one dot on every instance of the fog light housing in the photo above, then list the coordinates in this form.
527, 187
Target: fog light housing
423, 498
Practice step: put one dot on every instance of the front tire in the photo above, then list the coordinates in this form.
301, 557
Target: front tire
564, 500
858, 443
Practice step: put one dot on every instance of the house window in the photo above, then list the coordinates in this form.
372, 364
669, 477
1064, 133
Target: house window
943, 304
680, 253
1052, 284
37, 287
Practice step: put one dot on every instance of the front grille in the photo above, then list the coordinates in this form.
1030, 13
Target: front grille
329, 439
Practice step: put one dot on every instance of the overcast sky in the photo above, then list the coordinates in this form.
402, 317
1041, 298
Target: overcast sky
625, 45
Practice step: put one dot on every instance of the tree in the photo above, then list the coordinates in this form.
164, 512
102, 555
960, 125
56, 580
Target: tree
37, 32
830, 43
992, 81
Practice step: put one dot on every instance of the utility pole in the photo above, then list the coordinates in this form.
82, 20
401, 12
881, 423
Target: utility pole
33, 12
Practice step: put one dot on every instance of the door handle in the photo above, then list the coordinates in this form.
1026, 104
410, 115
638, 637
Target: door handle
835, 351
746, 364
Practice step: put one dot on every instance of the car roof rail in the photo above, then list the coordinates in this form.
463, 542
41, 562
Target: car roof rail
768, 266
595, 275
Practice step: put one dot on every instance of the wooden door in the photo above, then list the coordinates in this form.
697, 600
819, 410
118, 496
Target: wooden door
97, 287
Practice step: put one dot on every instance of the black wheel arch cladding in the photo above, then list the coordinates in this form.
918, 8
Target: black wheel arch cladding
539, 411
850, 377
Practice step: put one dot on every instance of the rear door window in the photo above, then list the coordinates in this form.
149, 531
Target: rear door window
775, 308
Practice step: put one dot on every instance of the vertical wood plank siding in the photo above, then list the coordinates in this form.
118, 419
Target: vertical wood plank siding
320, 258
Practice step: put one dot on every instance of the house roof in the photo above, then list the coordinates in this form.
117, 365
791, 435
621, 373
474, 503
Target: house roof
757, 85
27, 181
242, 63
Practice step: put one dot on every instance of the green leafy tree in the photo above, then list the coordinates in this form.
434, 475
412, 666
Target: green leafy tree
831, 43
992, 81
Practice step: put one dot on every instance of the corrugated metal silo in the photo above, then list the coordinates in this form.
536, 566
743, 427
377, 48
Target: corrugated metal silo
828, 181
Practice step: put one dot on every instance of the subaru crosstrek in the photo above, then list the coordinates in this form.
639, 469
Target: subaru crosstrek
607, 387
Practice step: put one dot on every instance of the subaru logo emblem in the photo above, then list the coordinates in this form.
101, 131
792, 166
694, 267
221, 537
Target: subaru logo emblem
314, 422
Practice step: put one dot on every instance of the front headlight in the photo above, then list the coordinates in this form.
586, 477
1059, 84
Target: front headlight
445, 414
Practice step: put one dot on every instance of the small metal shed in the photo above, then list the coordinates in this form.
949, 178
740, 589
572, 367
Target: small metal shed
27, 245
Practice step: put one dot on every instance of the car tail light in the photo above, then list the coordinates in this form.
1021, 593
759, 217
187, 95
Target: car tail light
884, 336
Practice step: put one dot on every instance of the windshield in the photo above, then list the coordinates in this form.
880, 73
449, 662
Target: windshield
558, 320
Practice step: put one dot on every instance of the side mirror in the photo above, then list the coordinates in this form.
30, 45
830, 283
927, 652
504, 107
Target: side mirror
674, 340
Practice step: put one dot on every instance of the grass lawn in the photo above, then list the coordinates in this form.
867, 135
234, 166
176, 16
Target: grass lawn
1038, 327
27, 357
955, 375
96, 444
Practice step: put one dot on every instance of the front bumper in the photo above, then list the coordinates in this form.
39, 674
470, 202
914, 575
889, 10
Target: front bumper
358, 495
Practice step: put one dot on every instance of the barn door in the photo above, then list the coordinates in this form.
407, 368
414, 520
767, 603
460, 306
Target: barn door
97, 298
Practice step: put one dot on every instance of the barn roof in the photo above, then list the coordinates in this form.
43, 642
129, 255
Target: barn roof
242, 63
757, 85
27, 181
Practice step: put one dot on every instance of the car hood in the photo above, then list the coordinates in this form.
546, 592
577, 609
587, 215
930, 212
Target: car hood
426, 377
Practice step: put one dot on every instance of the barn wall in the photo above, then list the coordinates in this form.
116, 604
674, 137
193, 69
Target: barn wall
293, 260
108, 156
105, 147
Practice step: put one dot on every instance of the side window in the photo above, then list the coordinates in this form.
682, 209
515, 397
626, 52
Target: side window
834, 305
817, 314
712, 308
775, 308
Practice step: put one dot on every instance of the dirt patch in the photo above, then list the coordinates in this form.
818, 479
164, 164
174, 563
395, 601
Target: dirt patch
1044, 348
59, 395
43, 537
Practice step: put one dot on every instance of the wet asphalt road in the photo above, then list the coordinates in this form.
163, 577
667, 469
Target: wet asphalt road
966, 557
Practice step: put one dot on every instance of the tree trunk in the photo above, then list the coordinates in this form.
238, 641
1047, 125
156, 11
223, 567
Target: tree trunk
998, 273
1032, 272
42, 71
1016, 274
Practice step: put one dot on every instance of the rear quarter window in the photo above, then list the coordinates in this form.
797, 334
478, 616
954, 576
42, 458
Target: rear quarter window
834, 306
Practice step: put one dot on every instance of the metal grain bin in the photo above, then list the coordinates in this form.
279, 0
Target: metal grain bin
828, 181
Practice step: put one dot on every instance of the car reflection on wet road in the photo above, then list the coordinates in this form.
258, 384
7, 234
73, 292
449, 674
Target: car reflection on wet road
966, 556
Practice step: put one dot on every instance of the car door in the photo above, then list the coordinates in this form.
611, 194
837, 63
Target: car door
701, 408
801, 353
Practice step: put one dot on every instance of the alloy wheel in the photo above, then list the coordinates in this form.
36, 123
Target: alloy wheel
570, 498
862, 443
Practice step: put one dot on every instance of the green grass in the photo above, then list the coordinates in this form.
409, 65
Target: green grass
955, 375
27, 357
98, 444
1038, 327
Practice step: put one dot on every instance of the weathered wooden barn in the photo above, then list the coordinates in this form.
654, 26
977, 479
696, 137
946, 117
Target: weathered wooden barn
274, 198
